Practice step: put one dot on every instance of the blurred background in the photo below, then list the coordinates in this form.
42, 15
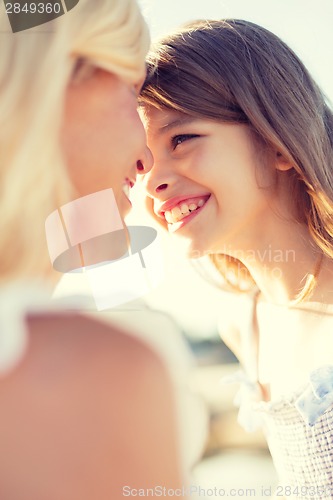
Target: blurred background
232, 457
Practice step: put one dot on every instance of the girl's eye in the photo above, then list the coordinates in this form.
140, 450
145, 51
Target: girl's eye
179, 139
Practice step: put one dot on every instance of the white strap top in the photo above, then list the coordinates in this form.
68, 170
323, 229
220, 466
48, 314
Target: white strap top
16, 301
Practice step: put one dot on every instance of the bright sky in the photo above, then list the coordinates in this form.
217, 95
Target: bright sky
307, 26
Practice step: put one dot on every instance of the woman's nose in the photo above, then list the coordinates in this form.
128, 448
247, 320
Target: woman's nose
145, 164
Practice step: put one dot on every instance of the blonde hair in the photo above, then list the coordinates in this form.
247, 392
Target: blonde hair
36, 66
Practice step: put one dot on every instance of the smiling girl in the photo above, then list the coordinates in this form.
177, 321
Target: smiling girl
242, 140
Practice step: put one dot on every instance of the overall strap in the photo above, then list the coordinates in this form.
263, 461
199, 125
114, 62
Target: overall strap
249, 340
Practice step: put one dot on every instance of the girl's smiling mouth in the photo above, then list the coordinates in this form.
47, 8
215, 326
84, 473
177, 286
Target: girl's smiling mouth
182, 210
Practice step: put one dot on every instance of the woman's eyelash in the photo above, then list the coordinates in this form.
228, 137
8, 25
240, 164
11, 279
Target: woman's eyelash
180, 138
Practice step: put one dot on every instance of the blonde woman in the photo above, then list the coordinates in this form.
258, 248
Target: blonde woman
87, 409
242, 139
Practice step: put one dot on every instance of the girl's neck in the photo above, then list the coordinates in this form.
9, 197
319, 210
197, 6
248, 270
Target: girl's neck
280, 268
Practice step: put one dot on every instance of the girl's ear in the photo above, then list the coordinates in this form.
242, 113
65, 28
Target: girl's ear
281, 163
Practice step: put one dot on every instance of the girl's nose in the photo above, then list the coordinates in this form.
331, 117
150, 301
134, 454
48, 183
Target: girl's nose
160, 179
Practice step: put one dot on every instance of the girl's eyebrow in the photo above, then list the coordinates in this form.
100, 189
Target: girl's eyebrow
177, 123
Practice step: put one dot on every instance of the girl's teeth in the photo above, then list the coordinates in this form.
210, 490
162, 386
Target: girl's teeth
168, 217
184, 208
176, 212
179, 213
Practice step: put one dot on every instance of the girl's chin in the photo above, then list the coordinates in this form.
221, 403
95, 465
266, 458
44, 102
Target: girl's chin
189, 248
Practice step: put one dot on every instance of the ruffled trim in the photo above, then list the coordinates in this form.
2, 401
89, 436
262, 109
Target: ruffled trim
247, 399
312, 401
317, 398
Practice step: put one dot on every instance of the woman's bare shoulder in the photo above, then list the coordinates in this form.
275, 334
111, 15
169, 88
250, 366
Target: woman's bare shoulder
86, 393
81, 336
69, 349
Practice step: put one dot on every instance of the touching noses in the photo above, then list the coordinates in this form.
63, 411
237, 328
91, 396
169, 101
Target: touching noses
145, 163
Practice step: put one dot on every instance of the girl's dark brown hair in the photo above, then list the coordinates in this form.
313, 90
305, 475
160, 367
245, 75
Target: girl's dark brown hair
236, 71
